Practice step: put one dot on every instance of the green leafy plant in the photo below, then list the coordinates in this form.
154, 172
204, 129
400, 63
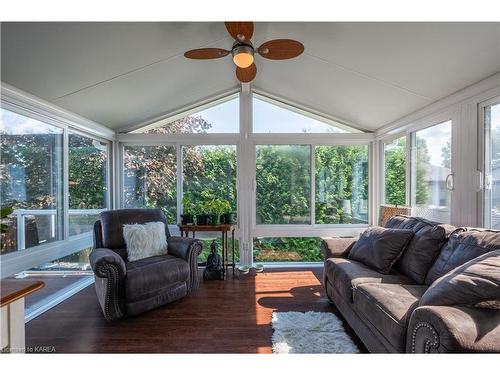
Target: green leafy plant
225, 206
4, 213
218, 206
188, 206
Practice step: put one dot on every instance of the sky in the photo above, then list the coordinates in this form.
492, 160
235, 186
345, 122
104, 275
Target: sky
436, 137
267, 118
14, 124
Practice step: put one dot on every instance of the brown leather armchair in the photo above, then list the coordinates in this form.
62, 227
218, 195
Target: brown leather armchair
130, 288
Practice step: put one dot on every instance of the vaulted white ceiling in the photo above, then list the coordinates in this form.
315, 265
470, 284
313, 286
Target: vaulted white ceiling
367, 74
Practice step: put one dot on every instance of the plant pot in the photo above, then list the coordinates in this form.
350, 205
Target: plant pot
187, 219
214, 219
202, 219
226, 218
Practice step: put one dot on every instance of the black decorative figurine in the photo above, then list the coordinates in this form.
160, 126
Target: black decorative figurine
214, 269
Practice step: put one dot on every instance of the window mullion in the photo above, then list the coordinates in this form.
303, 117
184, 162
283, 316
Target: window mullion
65, 188
313, 183
180, 182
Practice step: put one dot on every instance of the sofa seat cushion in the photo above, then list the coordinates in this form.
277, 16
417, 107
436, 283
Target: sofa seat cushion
346, 275
424, 247
145, 277
388, 308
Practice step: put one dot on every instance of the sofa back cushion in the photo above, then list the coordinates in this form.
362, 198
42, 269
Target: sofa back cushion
463, 246
424, 247
380, 248
475, 283
112, 224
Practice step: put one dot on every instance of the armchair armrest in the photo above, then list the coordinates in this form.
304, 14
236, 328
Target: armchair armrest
102, 258
453, 329
110, 271
336, 247
187, 249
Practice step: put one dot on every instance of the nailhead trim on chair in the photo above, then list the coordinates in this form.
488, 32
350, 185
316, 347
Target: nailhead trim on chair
430, 343
194, 279
112, 284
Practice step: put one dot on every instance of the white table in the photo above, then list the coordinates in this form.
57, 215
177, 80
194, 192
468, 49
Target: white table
12, 294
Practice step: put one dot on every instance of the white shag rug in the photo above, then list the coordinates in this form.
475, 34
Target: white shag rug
310, 332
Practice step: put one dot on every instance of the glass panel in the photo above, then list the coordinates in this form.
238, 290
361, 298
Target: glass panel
74, 263
222, 118
88, 177
430, 197
270, 118
31, 181
341, 184
283, 184
207, 238
492, 165
60, 276
395, 172
209, 173
287, 249
150, 178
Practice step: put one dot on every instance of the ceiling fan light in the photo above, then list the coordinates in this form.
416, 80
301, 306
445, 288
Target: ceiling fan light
243, 60
243, 56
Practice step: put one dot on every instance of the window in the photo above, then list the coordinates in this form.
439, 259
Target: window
271, 118
62, 277
492, 166
431, 172
88, 181
287, 249
150, 178
395, 172
31, 181
221, 118
209, 172
283, 193
341, 184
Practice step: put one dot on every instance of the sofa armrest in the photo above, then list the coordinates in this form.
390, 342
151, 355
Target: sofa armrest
187, 249
336, 247
453, 329
110, 272
102, 258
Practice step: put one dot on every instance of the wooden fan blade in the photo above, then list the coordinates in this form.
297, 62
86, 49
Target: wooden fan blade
246, 75
206, 53
281, 49
240, 31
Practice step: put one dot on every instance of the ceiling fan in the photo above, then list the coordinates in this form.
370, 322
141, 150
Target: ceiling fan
243, 50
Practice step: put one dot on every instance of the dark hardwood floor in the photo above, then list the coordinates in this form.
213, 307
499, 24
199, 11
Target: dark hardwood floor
232, 316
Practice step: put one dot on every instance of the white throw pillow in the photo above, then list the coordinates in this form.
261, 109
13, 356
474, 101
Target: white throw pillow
145, 240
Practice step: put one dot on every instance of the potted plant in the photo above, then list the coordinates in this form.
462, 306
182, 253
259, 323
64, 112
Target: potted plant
227, 215
187, 216
214, 208
202, 218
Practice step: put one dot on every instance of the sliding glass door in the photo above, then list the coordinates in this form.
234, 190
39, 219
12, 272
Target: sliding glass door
432, 177
491, 124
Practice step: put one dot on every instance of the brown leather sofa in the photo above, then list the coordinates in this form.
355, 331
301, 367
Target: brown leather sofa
442, 295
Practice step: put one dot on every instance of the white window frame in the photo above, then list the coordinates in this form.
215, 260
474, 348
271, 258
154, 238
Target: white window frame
246, 142
174, 230
383, 143
17, 101
483, 216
